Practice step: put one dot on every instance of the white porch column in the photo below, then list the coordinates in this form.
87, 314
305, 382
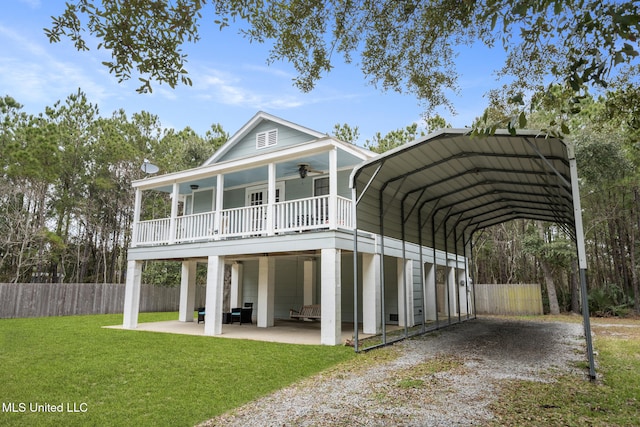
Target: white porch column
175, 195
215, 292
462, 291
132, 295
331, 327
266, 291
333, 188
371, 314
271, 199
187, 291
309, 286
430, 303
219, 226
453, 291
405, 291
237, 270
137, 206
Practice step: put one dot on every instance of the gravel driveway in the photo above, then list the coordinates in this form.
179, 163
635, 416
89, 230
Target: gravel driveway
445, 378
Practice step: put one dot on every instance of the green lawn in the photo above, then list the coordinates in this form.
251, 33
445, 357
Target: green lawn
116, 377
613, 400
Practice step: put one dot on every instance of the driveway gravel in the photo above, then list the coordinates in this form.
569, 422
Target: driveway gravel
445, 378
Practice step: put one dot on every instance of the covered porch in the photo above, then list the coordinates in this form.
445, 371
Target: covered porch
283, 331
317, 272
300, 188
234, 280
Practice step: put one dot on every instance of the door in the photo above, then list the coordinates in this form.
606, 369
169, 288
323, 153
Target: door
257, 197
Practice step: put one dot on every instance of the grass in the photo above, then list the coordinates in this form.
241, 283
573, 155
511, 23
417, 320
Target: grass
139, 378
118, 377
614, 400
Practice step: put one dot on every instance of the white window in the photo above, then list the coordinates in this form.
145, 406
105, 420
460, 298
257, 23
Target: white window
321, 186
267, 139
257, 195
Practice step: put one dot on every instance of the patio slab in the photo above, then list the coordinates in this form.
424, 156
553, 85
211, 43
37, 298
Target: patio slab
284, 331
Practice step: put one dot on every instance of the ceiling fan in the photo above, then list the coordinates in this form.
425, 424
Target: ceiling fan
304, 169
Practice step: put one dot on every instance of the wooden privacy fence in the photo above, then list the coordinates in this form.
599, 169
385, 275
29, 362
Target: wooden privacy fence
509, 299
66, 299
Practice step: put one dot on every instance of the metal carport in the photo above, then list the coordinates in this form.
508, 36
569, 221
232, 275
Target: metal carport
439, 190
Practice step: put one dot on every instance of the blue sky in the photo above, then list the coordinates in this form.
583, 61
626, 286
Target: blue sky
231, 82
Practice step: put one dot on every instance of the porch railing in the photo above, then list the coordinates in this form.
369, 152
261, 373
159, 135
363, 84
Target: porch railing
153, 232
247, 221
192, 227
288, 216
307, 214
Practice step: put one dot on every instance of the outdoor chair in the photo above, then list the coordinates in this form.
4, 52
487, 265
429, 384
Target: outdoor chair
246, 313
236, 314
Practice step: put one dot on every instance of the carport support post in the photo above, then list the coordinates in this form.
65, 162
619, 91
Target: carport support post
582, 257
435, 267
187, 291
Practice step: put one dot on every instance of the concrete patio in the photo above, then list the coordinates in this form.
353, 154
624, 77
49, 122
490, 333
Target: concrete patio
284, 331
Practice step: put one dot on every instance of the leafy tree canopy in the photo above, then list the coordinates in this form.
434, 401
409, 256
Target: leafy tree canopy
393, 139
346, 133
407, 46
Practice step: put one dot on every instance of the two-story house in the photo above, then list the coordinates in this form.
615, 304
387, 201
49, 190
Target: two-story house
274, 205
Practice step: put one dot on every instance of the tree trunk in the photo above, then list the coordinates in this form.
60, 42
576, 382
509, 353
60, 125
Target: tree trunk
634, 243
554, 308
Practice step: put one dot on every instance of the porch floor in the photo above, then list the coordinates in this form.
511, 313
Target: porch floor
283, 331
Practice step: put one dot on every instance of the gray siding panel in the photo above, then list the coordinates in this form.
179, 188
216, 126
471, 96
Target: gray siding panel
298, 188
234, 198
203, 201
246, 147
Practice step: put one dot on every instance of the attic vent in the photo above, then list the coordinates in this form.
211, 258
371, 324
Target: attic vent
267, 139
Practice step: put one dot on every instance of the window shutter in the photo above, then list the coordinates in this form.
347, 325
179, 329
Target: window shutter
261, 140
272, 137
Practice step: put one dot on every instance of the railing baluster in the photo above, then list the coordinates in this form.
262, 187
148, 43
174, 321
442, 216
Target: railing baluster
292, 215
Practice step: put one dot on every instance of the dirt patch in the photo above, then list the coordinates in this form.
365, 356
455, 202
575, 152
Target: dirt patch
624, 331
446, 378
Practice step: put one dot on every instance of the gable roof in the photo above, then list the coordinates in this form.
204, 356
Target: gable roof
257, 119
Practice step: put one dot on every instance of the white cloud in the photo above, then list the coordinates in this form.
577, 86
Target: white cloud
34, 4
228, 89
261, 88
30, 73
264, 69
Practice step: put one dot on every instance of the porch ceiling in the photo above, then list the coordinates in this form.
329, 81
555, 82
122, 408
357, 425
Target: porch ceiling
450, 185
254, 170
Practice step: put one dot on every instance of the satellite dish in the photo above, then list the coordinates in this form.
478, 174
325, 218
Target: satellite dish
149, 168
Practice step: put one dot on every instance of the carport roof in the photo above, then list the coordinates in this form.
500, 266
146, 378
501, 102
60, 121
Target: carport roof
452, 184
